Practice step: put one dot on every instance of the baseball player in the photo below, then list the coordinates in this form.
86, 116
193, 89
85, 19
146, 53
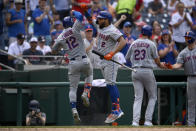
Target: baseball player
71, 41
187, 59
109, 42
143, 54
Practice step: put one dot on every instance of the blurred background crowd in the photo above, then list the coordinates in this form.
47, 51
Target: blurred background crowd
30, 27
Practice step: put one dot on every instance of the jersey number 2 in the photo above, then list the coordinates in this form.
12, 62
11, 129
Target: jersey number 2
71, 41
140, 54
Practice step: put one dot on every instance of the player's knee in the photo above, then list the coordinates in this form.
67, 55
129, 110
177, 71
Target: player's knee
153, 97
139, 98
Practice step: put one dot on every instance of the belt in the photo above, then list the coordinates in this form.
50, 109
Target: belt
143, 67
84, 56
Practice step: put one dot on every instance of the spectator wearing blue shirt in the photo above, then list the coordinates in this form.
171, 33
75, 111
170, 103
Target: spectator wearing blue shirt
15, 20
167, 49
42, 21
127, 36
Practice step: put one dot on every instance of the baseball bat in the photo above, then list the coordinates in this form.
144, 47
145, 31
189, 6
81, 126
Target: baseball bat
102, 57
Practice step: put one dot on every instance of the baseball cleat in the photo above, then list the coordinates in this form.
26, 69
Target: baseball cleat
135, 124
75, 116
85, 99
148, 123
114, 116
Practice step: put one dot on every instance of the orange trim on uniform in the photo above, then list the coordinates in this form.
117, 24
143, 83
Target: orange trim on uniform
87, 84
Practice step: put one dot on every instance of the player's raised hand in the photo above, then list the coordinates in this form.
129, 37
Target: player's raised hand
109, 56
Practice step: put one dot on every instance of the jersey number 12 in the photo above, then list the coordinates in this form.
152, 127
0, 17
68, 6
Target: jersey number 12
71, 41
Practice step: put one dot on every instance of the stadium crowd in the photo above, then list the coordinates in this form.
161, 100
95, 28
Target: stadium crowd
35, 24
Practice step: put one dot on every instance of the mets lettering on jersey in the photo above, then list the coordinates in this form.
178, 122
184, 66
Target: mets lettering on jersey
141, 45
68, 33
104, 37
188, 58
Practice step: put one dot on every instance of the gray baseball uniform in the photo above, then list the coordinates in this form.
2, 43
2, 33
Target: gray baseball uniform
188, 59
142, 53
106, 41
71, 41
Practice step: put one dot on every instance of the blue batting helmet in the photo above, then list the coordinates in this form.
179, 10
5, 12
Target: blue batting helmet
105, 15
191, 35
34, 105
68, 22
147, 30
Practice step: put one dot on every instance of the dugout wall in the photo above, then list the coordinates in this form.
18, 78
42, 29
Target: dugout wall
55, 103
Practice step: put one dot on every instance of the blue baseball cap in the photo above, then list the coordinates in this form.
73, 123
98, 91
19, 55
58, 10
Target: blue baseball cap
88, 27
165, 32
127, 24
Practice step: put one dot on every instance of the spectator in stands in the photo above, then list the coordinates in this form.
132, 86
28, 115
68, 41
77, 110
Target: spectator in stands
42, 21
137, 30
31, 5
156, 34
155, 7
181, 22
78, 5
167, 49
42, 47
17, 48
146, 3
96, 8
125, 7
35, 117
33, 51
189, 4
56, 16
129, 38
90, 44
138, 8
193, 16
155, 23
171, 8
58, 29
15, 20
62, 7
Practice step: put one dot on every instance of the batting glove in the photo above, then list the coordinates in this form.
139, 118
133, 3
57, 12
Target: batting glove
168, 65
109, 56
